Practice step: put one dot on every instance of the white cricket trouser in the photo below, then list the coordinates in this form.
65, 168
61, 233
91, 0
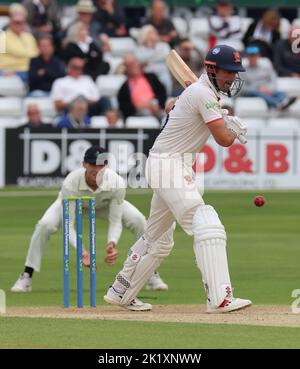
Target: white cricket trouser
176, 198
50, 222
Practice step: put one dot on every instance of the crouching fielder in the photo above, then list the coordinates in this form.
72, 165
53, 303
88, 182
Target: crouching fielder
195, 116
108, 188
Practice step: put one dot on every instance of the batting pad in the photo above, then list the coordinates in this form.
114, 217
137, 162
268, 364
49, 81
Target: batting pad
138, 269
210, 252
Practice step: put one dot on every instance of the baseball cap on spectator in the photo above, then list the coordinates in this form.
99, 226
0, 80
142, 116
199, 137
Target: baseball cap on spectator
85, 6
252, 50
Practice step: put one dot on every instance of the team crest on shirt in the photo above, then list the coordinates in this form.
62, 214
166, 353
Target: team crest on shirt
188, 179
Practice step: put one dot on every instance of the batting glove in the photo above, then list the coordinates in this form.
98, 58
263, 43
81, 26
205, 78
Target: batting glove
235, 125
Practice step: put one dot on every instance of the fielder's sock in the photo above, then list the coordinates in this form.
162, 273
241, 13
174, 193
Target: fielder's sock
29, 271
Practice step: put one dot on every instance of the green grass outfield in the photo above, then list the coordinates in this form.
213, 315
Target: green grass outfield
264, 259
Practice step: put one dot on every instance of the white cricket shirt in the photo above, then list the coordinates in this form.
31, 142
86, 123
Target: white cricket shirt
186, 130
110, 194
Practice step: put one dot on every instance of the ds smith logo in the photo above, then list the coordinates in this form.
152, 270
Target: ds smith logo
296, 41
2, 42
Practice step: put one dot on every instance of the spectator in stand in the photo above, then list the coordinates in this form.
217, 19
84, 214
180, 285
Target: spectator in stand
152, 54
68, 88
85, 11
34, 118
111, 18
77, 116
20, 46
287, 62
163, 25
264, 33
225, 28
261, 80
142, 94
192, 57
43, 16
44, 69
82, 45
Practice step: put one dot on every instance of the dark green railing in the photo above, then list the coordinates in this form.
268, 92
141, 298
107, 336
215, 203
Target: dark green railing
240, 3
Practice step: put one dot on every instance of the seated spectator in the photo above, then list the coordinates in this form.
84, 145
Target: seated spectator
225, 28
34, 118
261, 80
44, 69
111, 18
192, 57
43, 16
20, 46
287, 62
152, 54
141, 94
77, 116
163, 25
85, 11
264, 33
83, 46
74, 84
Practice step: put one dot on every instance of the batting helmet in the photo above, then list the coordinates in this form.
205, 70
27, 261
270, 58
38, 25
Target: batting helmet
227, 58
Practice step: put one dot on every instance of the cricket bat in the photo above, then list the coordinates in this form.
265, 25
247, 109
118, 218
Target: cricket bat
181, 72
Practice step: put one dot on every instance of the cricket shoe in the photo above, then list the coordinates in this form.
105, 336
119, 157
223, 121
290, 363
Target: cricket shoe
23, 284
113, 298
228, 305
155, 283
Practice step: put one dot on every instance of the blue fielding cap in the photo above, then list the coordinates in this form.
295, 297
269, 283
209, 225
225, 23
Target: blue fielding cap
252, 50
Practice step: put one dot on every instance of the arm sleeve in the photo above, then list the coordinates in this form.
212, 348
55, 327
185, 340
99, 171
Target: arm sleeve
115, 217
208, 106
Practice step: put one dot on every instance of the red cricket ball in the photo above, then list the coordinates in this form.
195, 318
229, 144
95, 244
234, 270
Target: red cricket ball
259, 200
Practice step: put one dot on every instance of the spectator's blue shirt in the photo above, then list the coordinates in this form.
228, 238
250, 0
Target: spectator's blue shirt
67, 121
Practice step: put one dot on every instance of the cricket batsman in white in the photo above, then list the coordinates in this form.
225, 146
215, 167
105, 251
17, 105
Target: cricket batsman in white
196, 115
109, 191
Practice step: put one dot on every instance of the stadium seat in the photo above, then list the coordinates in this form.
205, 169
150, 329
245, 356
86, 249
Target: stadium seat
182, 12
251, 107
9, 122
113, 62
142, 122
255, 123
181, 26
121, 46
45, 105
284, 27
134, 32
199, 27
10, 107
109, 85
289, 85
294, 109
245, 23
200, 44
101, 122
284, 123
3, 21
12, 86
